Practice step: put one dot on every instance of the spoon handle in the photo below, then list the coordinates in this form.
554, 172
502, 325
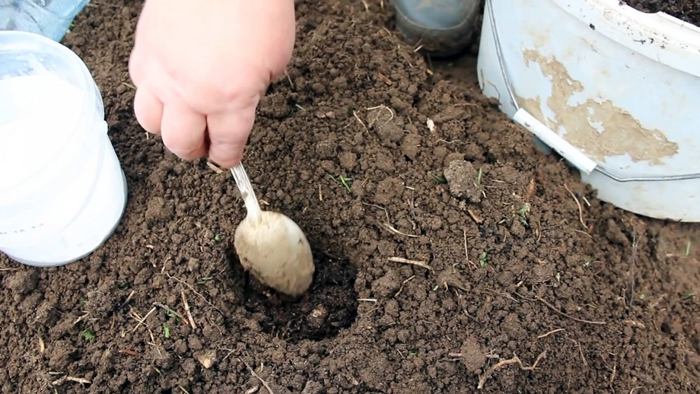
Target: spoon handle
251, 202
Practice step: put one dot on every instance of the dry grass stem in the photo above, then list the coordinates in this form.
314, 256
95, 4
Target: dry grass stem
550, 333
403, 284
632, 270
501, 364
81, 318
360, 120
264, 383
395, 231
214, 167
168, 309
144, 318
187, 310
131, 295
557, 311
195, 292
286, 74
466, 251
391, 113
580, 352
387, 223
475, 217
62, 380
77, 380
385, 79
636, 324
230, 352
578, 204
423, 264
614, 372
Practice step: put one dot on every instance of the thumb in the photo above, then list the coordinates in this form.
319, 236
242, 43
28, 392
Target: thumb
228, 134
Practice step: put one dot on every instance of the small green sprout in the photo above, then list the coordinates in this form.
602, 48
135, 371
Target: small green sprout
687, 249
173, 315
217, 238
437, 178
166, 331
687, 295
479, 177
87, 334
484, 258
523, 212
344, 181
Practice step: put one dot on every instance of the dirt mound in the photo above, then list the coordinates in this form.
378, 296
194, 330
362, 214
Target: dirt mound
446, 246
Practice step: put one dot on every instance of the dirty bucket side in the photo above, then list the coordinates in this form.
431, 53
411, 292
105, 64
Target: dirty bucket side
613, 84
66, 192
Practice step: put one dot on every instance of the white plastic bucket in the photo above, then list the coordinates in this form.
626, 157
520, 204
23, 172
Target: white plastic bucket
613, 90
62, 189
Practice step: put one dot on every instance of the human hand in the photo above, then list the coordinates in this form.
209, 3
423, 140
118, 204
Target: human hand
201, 68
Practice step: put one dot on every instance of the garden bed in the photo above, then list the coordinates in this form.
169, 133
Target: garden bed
443, 252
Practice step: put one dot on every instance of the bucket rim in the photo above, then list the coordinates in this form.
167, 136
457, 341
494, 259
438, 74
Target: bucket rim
659, 36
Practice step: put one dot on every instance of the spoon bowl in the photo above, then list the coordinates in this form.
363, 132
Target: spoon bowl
276, 252
271, 246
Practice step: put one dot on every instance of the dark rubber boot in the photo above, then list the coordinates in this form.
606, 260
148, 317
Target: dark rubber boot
439, 27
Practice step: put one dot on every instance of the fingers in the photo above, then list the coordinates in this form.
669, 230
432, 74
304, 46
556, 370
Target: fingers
183, 131
148, 110
136, 66
228, 134
183, 128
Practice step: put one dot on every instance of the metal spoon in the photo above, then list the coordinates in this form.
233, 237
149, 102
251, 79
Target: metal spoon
270, 245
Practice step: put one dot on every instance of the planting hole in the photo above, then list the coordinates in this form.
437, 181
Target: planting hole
329, 306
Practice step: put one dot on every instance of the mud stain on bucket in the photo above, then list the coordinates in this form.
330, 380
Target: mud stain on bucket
600, 129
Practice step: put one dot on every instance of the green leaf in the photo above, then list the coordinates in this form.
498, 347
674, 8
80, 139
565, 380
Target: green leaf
87, 334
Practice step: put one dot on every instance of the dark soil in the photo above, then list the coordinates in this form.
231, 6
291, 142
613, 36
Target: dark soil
601, 300
685, 10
